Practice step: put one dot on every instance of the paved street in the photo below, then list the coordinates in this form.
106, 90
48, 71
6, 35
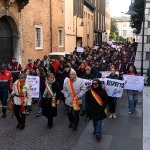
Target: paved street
124, 133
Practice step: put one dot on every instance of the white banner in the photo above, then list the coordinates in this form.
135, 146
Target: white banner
134, 82
80, 49
35, 85
114, 88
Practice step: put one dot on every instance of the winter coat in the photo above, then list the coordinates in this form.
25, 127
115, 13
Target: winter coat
96, 72
88, 77
79, 87
46, 103
26, 90
94, 110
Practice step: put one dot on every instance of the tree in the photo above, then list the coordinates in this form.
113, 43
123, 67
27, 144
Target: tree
113, 30
112, 36
113, 26
121, 39
136, 20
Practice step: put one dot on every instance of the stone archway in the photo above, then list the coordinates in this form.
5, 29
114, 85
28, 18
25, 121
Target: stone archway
8, 38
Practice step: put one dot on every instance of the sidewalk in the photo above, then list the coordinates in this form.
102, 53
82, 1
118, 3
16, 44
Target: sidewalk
146, 118
123, 133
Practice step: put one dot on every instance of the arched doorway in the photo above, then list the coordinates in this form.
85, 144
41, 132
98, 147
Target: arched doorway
8, 36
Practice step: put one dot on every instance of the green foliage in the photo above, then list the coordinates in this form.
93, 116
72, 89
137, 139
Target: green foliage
136, 20
113, 36
113, 30
121, 39
113, 26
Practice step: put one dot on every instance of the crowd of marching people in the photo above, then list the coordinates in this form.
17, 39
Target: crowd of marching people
61, 80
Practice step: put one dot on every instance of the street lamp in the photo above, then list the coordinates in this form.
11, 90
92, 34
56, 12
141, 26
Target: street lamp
132, 12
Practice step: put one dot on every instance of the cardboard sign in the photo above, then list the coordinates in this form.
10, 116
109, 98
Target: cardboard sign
134, 82
34, 81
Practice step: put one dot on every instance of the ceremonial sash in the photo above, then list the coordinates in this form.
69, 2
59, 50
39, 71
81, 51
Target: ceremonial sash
22, 97
51, 93
75, 103
98, 99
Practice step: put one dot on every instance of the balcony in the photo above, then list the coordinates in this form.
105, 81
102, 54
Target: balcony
89, 5
22, 4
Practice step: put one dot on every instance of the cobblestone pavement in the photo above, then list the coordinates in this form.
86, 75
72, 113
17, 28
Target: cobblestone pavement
36, 135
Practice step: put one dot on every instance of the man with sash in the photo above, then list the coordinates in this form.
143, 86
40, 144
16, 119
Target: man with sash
73, 90
96, 101
22, 94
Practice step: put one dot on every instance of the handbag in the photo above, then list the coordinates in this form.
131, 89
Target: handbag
10, 104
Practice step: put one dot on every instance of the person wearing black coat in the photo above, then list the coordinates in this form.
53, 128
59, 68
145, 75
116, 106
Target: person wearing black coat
48, 68
87, 76
60, 79
50, 99
94, 110
112, 100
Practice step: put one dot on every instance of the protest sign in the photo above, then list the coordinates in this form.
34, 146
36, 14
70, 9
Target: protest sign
114, 88
96, 47
80, 49
87, 84
134, 82
35, 85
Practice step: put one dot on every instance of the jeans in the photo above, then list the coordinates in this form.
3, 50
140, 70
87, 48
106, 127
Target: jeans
73, 115
39, 111
132, 99
83, 103
97, 127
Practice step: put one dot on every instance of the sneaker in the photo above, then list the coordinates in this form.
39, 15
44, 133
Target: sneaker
110, 116
114, 115
38, 114
130, 112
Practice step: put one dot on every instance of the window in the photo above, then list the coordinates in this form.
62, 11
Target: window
60, 38
124, 32
38, 37
147, 55
148, 24
148, 39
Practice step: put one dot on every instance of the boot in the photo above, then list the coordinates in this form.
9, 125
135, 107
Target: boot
4, 112
22, 126
4, 115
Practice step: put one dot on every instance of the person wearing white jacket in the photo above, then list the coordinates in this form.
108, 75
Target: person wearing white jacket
22, 99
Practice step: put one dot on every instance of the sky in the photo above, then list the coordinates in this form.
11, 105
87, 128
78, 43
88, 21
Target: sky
118, 6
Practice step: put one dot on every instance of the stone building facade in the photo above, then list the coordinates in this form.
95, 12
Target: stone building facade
146, 53
26, 33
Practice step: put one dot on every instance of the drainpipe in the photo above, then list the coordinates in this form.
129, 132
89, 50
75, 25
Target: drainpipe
51, 29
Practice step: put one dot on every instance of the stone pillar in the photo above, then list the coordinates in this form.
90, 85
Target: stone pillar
146, 55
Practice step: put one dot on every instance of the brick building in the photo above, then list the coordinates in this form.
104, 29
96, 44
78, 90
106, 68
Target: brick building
26, 28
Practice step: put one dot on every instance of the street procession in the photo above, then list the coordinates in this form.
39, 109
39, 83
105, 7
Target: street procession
74, 75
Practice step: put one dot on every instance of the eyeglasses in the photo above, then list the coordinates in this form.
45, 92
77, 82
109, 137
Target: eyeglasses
94, 83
